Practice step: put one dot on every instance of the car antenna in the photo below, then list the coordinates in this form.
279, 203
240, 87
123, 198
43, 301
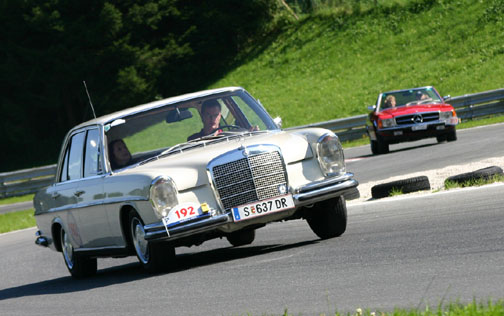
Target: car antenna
89, 98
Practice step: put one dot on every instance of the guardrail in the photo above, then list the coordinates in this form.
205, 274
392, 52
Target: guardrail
26, 181
468, 107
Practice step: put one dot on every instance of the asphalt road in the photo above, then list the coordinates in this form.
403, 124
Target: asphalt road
400, 252
473, 144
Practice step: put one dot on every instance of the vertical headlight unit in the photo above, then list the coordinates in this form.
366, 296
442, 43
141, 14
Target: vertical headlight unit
330, 155
163, 195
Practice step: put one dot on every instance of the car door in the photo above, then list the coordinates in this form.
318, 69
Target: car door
91, 216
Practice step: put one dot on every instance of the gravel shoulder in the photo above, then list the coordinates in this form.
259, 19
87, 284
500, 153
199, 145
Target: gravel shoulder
436, 177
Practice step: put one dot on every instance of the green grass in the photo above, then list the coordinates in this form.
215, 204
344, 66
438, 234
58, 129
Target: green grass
333, 63
453, 309
16, 199
16, 220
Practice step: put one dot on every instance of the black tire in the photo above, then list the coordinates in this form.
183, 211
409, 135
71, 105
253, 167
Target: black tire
405, 185
480, 174
328, 219
78, 265
452, 136
379, 146
441, 138
154, 257
241, 237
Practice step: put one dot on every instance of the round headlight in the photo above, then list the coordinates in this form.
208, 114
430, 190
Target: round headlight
163, 195
330, 155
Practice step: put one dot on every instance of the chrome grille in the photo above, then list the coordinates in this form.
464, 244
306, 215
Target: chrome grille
410, 119
249, 179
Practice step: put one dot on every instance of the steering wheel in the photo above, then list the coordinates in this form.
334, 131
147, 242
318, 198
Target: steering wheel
229, 127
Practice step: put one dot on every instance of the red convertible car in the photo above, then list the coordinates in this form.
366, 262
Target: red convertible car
409, 115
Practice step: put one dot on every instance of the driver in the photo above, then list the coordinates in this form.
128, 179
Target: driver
210, 115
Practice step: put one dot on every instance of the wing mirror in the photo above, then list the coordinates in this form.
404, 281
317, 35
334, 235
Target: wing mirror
278, 121
372, 108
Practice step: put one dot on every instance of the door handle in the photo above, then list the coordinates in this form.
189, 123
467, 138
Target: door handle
79, 193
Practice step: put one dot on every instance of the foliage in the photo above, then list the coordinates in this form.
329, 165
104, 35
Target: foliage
16, 199
128, 52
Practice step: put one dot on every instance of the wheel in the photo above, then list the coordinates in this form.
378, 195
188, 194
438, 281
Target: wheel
78, 265
441, 138
154, 257
485, 174
406, 186
379, 146
452, 136
328, 219
241, 237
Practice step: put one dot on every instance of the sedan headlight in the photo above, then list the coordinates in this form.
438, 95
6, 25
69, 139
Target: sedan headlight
383, 123
330, 155
163, 195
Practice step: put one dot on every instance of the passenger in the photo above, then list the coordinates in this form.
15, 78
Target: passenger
421, 96
210, 116
390, 102
119, 155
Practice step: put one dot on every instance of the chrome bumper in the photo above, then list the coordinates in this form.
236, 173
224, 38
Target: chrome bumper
327, 188
157, 231
41, 240
304, 195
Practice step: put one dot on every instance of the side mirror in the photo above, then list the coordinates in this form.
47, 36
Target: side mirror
278, 121
447, 97
372, 108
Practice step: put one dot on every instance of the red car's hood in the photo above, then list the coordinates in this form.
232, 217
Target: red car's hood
411, 109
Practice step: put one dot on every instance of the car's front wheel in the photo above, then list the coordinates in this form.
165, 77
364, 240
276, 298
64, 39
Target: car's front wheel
78, 265
328, 219
241, 237
379, 146
154, 257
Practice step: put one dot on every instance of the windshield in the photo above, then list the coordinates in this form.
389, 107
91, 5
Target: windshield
408, 97
147, 134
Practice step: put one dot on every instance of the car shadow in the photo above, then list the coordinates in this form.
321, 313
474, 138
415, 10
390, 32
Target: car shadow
396, 150
133, 271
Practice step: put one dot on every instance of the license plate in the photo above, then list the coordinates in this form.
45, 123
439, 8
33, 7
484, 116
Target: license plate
185, 212
419, 127
262, 207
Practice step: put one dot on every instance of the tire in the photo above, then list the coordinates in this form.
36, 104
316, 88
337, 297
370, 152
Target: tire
405, 185
379, 146
484, 174
78, 265
328, 219
441, 138
154, 257
241, 237
452, 136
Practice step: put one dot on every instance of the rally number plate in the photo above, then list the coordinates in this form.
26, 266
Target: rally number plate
262, 207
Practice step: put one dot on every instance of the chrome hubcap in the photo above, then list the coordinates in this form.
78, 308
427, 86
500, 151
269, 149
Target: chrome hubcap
67, 249
141, 245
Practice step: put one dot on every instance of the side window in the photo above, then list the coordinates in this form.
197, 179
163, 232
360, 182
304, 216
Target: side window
75, 156
92, 161
64, 168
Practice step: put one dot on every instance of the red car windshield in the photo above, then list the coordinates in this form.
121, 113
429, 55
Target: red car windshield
409, 97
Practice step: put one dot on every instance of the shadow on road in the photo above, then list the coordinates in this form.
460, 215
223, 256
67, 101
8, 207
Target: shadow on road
133, 271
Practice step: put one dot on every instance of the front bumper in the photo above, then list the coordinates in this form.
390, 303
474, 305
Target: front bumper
305, 195
414, 132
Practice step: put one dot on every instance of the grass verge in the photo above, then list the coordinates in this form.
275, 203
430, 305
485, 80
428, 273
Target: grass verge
16, 199
16, 220
472, 183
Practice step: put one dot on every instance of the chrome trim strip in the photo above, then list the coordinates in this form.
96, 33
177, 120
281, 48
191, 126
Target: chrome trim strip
323, 183
99, 248
157, 230
323, 193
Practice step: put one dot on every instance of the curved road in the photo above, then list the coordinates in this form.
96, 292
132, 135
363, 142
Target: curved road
401, 252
